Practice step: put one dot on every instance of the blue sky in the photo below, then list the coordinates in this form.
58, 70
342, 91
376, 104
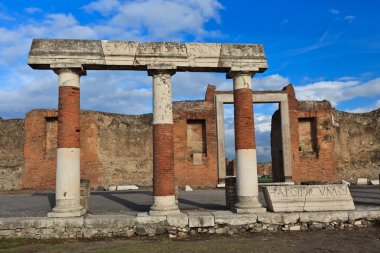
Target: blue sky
329, 49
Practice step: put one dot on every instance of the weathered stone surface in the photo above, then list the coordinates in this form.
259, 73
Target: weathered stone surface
308, 198
104, 221
96, 54
179, 221
11, 153
278, 218
26, 222
357, 145
68, 222
374, 182
201, 219
323, 216
362, 181
145, 218
233, 219
364, 214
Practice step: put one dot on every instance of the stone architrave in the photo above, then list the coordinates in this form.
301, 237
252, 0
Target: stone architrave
305, 198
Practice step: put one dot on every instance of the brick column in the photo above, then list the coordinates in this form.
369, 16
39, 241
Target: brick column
246, 163
67, 192
163, 149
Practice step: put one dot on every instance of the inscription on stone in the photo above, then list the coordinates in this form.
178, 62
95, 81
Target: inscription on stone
291, 198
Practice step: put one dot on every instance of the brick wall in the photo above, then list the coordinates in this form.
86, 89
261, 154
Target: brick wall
115, 149
118, 149
311, 137
195, 133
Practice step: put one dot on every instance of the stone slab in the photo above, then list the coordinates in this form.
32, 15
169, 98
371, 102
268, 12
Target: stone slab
364, 214
104, 221
26, 222
132, 55
323, 216
362, 181
180, 221
145, 218
201, 219
233, 219
66, 214
68, 222
374, 182
301, 198
278, 218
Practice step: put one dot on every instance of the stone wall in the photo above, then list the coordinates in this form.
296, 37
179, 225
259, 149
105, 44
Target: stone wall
115, 149
11, 153
191, 223
357, 144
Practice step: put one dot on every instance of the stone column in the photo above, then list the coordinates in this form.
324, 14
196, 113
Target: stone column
285, 133
163, 148
67, 192
245, 156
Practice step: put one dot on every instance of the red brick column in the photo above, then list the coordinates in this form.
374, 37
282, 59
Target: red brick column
246, 161
68, 145
163, 149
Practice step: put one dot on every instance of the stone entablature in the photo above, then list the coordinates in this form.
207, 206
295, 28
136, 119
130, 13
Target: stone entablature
131, 55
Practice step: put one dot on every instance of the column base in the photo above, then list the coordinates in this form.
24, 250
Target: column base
66, 214
164, 205
248, 205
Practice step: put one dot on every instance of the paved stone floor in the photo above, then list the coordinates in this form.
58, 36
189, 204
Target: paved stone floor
38, 204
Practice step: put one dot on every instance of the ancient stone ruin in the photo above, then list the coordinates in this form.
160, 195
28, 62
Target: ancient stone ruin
53, 149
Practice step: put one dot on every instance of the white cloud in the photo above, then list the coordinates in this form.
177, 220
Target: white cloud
375, 106
272, 82
349, 18
337, 91
32, 10
160, 19
284, 21
105, 7
334, 11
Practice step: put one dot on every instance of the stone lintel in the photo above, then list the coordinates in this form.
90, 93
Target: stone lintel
131, 55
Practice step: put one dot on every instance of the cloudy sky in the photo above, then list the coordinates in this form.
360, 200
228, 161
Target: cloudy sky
329, 49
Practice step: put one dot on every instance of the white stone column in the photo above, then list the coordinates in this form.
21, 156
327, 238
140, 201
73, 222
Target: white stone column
67, 193
245, 146
163, 147
285, 133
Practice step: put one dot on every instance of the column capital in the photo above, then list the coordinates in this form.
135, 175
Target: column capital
80, 71
233, 73
155, 72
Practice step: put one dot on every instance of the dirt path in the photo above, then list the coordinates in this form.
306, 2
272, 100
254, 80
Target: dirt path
357, 240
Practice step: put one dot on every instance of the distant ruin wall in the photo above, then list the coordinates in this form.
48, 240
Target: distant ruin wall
357, 144
11, 153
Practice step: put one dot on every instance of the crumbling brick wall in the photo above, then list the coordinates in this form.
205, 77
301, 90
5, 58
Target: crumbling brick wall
357, 145
11, 153
115, 149
311, 141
